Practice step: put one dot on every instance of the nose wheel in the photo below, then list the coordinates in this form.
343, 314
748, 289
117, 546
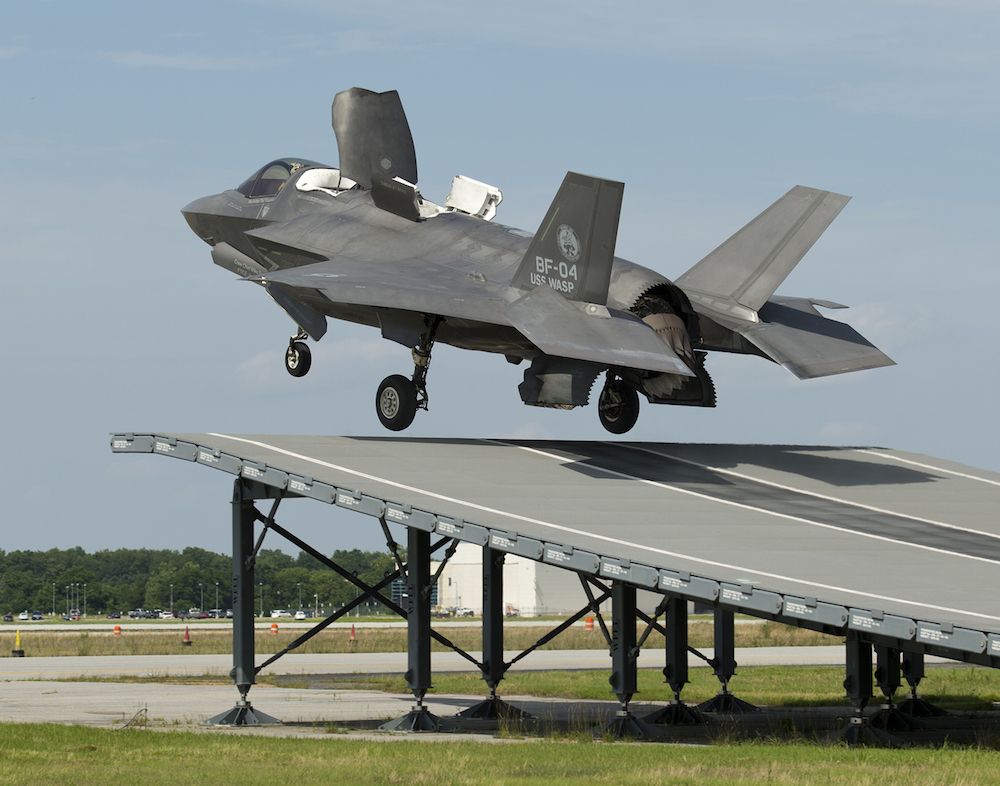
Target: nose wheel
298, 356
618, 406
398, 398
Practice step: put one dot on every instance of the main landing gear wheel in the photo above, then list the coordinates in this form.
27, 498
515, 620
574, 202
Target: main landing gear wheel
298, 358
396, 402
618, 407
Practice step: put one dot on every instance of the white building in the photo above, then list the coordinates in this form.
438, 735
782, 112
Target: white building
530, 588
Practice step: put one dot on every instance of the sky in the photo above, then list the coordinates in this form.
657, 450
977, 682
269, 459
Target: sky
116, 114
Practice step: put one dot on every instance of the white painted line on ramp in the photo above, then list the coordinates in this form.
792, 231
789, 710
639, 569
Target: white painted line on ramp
902, 460
816, 494
593, 535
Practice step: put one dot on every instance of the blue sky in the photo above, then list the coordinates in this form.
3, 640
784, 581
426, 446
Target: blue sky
117, 114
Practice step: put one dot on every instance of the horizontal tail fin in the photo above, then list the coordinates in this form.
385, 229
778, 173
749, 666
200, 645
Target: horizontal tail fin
750, 265
574, 248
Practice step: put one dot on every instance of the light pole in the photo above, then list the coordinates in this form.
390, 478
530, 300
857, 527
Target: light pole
67, 600
53, 599
216, 596
316, 605
201, 589
260, 586
171, 600
299, 585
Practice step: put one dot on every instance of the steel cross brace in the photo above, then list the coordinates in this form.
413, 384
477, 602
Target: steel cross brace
346, 609
372, 591
585, 582
559, 628
268, 522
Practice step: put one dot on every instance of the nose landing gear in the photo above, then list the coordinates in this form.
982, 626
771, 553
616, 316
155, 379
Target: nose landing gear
298, 357
399, 398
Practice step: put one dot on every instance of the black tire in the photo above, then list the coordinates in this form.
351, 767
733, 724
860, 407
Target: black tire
298, 359
618, 407
396, 402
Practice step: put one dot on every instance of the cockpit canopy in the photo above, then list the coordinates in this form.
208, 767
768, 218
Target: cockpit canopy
271, 178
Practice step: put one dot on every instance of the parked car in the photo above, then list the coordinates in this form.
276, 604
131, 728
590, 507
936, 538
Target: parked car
216, 614
114, 615
8, 617
300, 614
229, 614
24, 616
36, 616
277, 613
166, 615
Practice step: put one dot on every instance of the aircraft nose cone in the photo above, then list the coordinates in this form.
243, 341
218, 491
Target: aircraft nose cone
195, 213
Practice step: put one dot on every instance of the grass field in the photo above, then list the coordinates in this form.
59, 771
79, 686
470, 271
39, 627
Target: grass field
954, 687
38, 642
35, 754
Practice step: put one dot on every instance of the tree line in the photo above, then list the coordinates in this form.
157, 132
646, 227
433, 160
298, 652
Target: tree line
123, 579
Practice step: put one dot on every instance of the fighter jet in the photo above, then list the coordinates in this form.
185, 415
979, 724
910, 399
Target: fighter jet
359, 242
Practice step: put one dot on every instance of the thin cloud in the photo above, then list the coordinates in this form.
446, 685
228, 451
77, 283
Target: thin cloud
187, 61
10, 51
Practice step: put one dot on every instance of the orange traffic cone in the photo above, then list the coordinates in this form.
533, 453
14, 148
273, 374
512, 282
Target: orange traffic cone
588, 624
354, 634
186, 641
118, 631
274, 628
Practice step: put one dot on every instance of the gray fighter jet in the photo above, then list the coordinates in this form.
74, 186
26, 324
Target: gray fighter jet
359, 242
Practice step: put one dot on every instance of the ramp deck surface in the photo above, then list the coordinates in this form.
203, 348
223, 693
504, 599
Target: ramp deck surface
895, 544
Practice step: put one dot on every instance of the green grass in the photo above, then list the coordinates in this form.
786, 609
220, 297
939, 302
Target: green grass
49, 754
38, 642
959, 687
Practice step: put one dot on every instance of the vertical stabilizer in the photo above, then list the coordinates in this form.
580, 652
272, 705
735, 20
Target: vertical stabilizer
750, 266
574, 248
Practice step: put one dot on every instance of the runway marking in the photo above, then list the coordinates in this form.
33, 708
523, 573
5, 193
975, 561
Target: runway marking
902, 460
827, 497
756, 509
592, 535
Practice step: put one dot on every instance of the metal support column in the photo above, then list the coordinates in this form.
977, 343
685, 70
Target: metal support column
676, 669
858, 686
243, 673
724, 664
494, 667
914, 706
418, 632
888, 678
624, 658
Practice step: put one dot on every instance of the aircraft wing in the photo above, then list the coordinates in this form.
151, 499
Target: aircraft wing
585, 331
420, 286
555, 325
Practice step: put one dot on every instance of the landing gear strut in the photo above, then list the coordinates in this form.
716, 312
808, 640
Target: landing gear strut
399, 398
618, 405
298, 357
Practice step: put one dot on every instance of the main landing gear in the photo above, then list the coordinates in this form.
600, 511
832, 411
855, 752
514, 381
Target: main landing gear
298, 357
399, 398
618, 405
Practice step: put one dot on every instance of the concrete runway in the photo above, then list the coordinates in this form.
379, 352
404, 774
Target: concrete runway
187, 707
61, 668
